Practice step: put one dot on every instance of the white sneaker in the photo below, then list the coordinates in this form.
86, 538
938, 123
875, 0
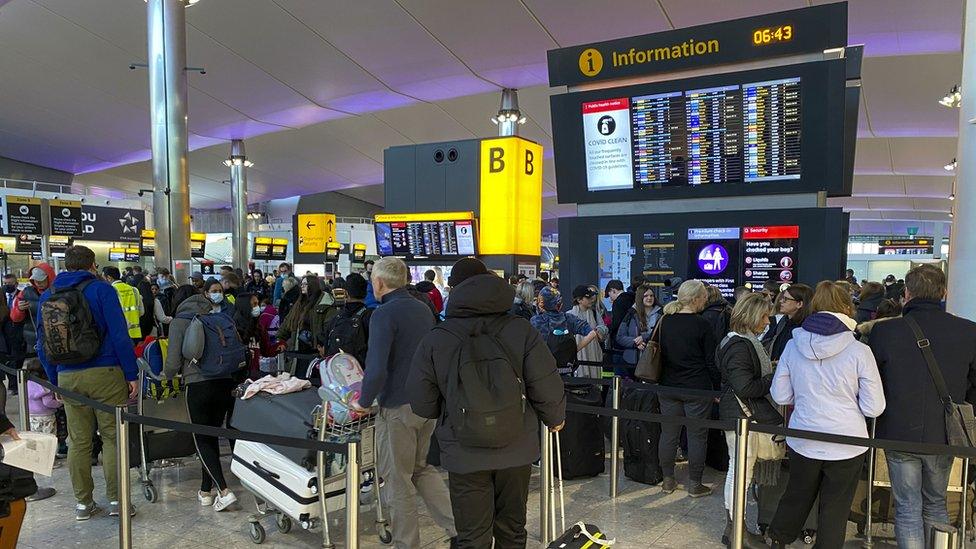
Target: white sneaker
224, 500
206, 498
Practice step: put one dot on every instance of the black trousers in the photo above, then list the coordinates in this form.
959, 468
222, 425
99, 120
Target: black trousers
686, 406
209, 403
834, 482
490, 505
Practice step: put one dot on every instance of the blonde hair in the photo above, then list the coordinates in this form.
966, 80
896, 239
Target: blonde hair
392, 271
749, 313
526, 291
689, 292
832, 297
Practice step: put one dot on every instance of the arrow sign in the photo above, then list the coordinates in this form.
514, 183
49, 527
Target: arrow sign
309, 225
314, 231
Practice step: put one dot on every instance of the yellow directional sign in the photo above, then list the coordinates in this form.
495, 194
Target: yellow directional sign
314, 231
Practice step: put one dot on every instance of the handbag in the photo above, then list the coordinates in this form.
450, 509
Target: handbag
15, 483
959, 419
766, 446
649, 364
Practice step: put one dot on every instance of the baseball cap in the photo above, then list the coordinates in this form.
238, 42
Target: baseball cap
551, 299
197, 275
38, 274
582, 291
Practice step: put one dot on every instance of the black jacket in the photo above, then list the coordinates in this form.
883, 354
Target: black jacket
867, 308
778, 336
719, 315
916, 414
474, 302
522, 310
621, 307
742, 374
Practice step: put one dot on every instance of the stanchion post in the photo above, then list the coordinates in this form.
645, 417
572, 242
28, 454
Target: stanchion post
868, 519
964, 507
739, 493
615, 439
352, 495
122, 453
22, 397
545, 485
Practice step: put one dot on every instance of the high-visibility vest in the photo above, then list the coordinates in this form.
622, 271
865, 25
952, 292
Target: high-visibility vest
129, 299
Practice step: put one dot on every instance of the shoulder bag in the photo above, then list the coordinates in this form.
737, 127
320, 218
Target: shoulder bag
649, 365
959, 419
766, 446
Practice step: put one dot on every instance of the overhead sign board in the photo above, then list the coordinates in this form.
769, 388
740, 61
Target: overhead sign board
315, 230
358, 253
332, 250
510, 218
262, 248
907, 246
800, 31
147, 244
437, 235
28, 243
198, 245
112, 224
57, 245
279, 249
65, 217
22, 216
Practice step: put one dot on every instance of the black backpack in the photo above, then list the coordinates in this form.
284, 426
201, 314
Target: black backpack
70, 333
348, 333
562, 345
485, 393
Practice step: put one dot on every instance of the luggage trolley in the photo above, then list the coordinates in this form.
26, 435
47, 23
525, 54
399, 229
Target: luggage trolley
363, 429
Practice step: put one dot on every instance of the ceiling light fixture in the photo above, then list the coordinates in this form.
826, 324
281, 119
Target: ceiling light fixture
238, 161
951, 165
509, 117
952, 196
953, 99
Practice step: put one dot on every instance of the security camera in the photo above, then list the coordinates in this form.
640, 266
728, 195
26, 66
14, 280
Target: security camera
107, 202
56, 197
82, 200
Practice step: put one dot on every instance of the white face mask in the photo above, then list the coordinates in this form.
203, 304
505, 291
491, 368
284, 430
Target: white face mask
216, 297
256, 311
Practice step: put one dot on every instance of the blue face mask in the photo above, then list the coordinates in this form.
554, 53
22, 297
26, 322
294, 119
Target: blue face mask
216, 297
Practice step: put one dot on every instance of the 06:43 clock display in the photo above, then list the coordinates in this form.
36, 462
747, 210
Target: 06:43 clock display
783, 33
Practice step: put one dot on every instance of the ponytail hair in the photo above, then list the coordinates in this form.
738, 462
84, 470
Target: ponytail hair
689, 292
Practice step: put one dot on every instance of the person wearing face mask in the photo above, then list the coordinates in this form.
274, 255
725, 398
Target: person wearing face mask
284, 271
12, 333
308, 317
23, 310
208, 400
247, 310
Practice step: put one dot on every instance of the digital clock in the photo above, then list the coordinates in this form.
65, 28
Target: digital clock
772, 35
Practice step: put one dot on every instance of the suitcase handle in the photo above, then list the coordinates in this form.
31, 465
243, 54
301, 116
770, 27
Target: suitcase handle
271, 474
555, 448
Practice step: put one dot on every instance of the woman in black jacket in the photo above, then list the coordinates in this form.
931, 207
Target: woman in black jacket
747, 373
872, 294
794, 305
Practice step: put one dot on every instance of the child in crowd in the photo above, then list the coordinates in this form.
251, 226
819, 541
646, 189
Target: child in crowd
43, 405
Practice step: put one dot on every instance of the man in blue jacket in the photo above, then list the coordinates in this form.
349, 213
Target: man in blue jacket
110, 378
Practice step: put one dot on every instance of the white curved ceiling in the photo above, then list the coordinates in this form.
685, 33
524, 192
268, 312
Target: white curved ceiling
319, 88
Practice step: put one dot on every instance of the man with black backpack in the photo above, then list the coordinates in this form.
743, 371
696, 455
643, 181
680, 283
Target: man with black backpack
83, 342
489, 378
559, 329
349, 330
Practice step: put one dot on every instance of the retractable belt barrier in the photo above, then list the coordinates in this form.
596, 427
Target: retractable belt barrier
205, 430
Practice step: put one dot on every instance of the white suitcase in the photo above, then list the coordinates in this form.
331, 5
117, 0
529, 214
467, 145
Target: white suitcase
282, 483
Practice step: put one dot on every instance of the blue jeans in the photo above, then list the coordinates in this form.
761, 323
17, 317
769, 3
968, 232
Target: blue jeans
918, 485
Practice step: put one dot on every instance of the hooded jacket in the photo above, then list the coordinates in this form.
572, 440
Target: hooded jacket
116, 349
30, 294
475, 302
718, 313
867, 308
833, 382
175, 363
742, 377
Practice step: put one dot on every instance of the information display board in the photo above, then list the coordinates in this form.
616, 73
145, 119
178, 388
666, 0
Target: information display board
57, 245
22, 216
770, 253
198, 245
279, 249
411, 237
913, 246
147, 242
28, 244
65, 217
713, 257
116, 254
764, 130
262, 248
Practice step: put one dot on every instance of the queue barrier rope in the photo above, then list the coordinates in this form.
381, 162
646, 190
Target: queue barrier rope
204, 430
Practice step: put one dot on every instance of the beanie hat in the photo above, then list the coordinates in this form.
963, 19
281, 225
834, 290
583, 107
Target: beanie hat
356, 286
465, 269
551, 298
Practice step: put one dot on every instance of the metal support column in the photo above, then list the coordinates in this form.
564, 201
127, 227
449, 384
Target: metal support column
962, 256
238, 203
545, 485
615, 439
125, 500
166, 25
352, 496
22, 398
739, 491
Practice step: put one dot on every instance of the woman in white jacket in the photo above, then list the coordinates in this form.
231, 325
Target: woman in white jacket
833, 383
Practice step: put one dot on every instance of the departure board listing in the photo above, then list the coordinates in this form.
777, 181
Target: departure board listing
738, 133
713, 257
434, 239
770, 253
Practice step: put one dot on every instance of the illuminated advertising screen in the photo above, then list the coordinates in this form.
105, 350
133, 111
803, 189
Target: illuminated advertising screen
713, 257
770, 253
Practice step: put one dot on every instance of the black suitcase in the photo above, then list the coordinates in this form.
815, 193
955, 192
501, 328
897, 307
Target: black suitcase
641, 438
768, 499
583, 452
288, 415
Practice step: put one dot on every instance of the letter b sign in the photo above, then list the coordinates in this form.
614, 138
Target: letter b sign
529, 162
496, 156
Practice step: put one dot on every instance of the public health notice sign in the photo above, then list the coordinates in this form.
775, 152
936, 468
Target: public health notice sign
606, 135
770, 253
22, 215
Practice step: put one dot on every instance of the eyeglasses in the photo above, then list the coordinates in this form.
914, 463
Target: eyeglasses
788, 298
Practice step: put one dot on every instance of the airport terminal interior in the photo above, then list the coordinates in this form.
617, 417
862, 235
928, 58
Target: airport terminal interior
275, 162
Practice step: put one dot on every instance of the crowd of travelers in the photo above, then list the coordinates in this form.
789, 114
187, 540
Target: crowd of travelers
821, 359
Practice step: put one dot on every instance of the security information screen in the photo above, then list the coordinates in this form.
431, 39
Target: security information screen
770, 253
713, 257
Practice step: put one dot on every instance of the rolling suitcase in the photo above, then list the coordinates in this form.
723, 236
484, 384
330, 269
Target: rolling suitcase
641, 438
289, 415
580, 535
583, 453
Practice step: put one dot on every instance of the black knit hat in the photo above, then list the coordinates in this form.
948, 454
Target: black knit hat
465, 269
356, 286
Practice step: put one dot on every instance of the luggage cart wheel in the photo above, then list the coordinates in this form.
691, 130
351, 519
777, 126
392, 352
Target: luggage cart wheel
257, 533
385, 535
283, 522
149, 490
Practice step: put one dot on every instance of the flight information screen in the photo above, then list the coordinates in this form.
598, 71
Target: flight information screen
738, 133
412, 239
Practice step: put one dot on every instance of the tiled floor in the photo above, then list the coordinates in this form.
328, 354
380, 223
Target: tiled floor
641, 517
